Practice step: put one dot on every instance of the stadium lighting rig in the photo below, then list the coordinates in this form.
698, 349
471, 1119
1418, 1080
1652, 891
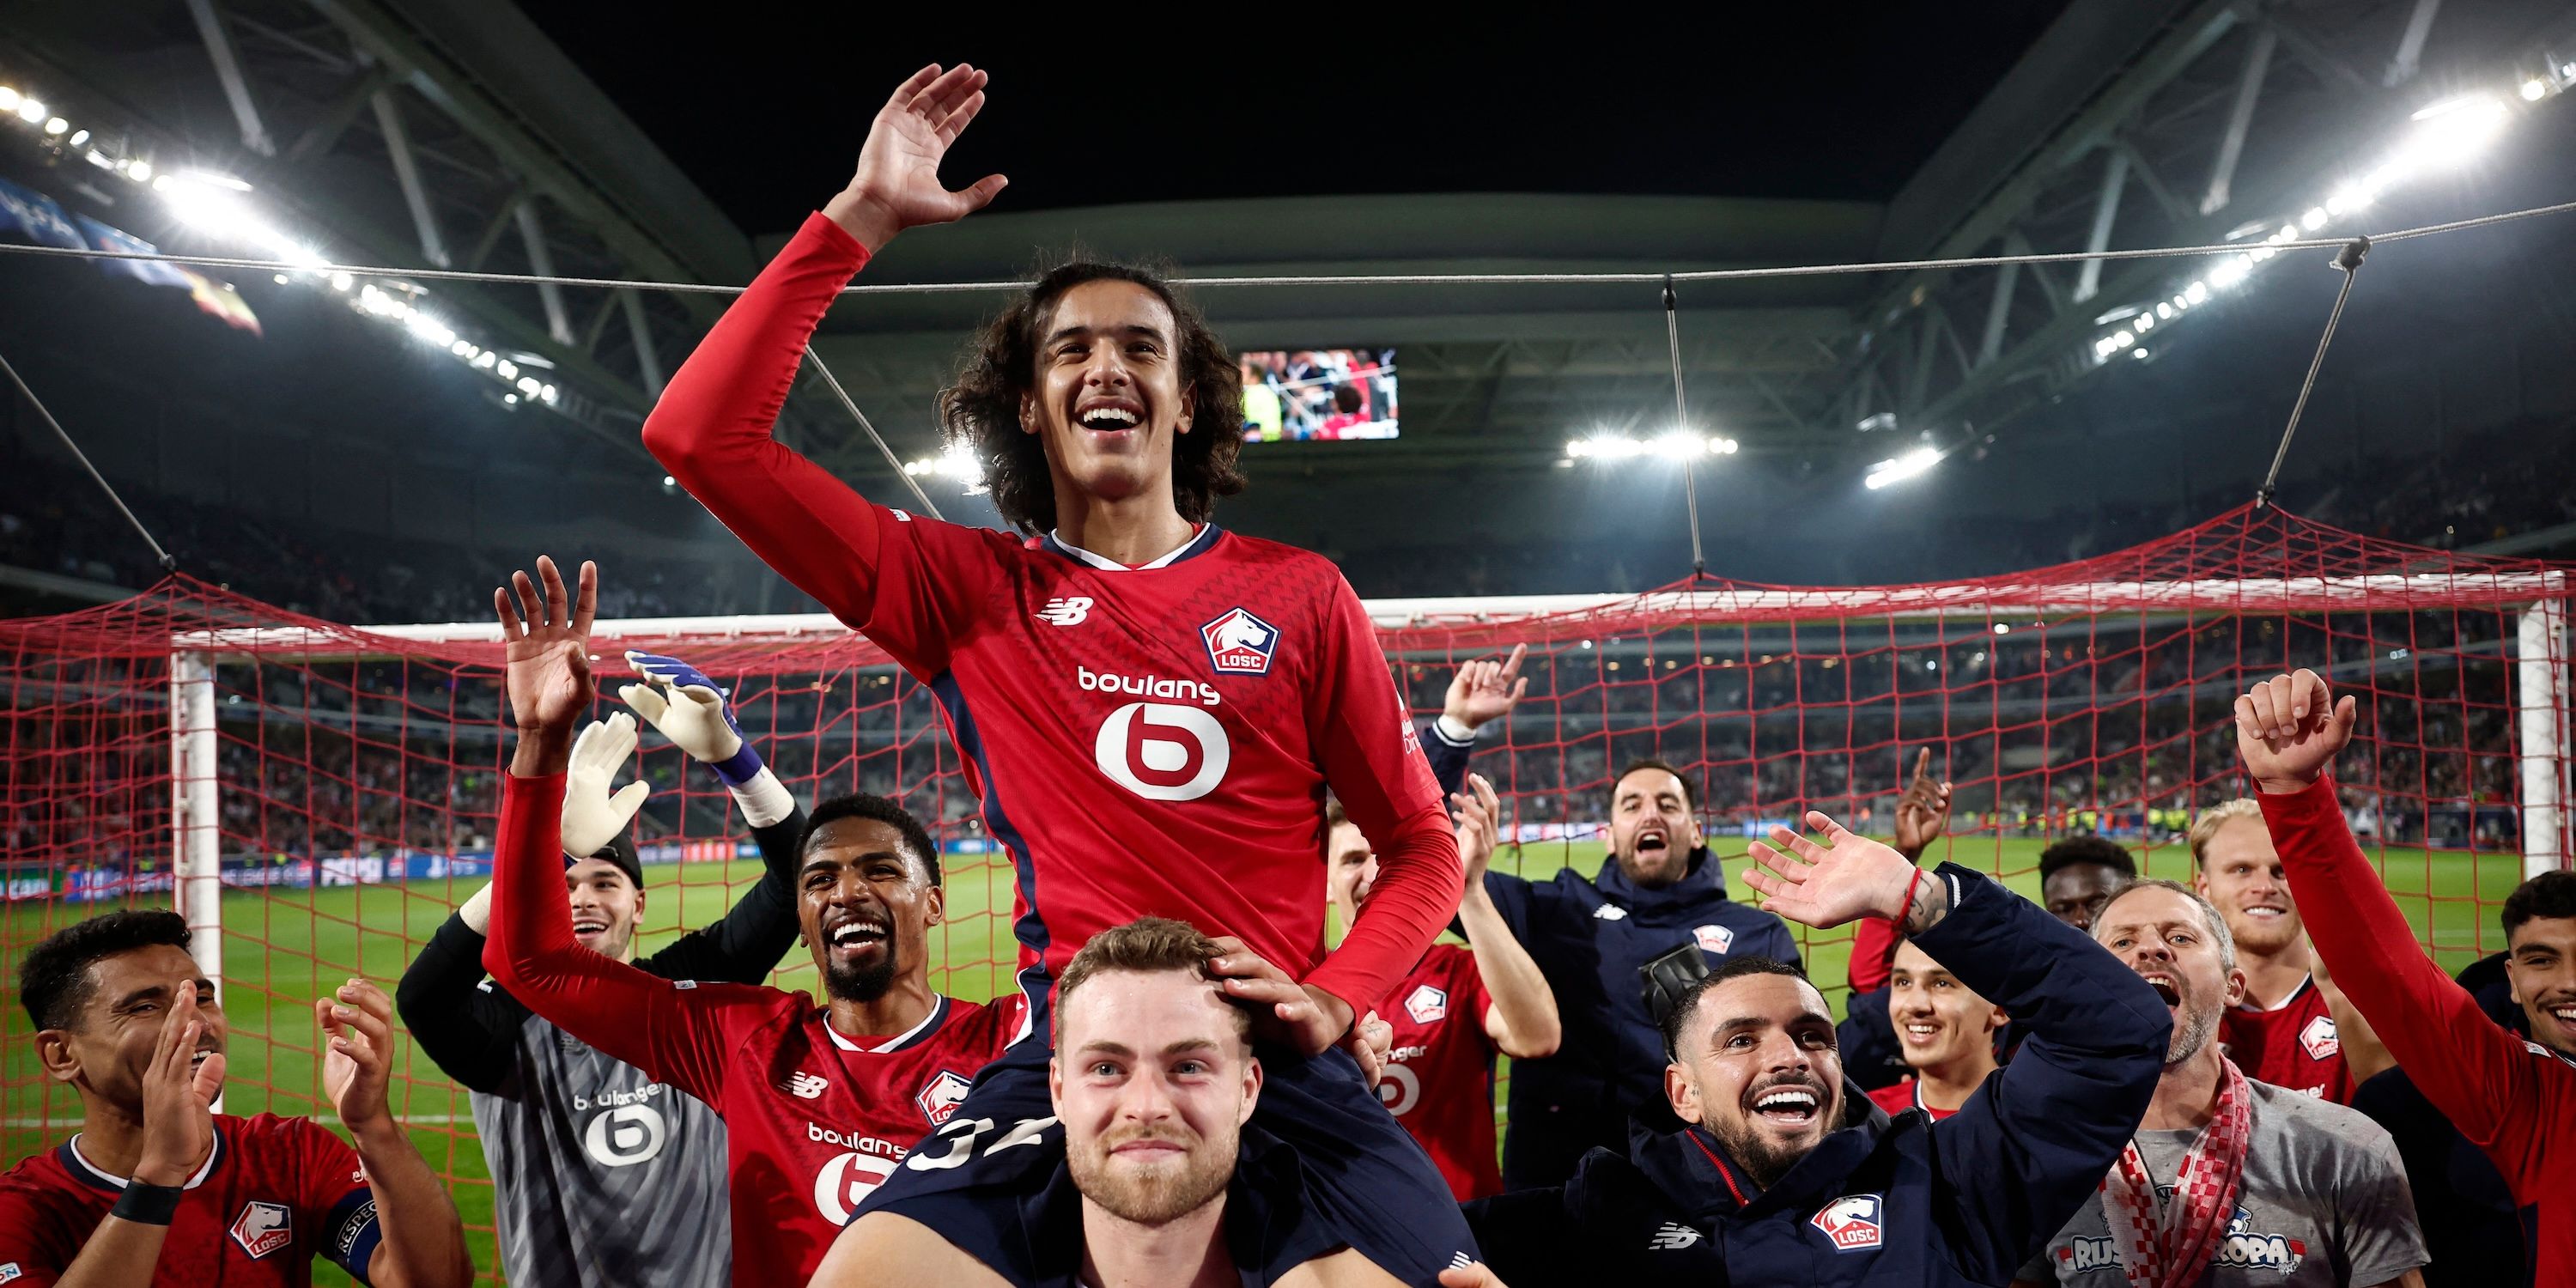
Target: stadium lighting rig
219, 206
1674, 446
2439, 137
955, 463
1900, 468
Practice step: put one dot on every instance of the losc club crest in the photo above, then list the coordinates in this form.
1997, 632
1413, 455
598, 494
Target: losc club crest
941, 1097
2319, 1039
1239, 643
263, 1228
1426, 1004
1715, 939
1851, 1223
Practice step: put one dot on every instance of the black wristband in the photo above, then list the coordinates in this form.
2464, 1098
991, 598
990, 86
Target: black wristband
147, 1204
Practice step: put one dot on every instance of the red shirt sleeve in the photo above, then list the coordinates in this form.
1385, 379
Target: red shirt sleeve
879, 570
2500, 1095
1372, 759
34, 1238
674, 1030
1873, 954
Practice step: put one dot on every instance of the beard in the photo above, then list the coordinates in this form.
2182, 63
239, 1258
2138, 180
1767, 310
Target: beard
853, 983
1764, 1159
2193, 1028
1156, 1194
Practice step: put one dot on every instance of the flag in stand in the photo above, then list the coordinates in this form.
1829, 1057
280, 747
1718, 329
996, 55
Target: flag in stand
35, 216
149, 272
222, 303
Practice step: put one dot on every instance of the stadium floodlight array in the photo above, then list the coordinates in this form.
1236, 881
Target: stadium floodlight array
1673, 446
2438, 138
1898, 469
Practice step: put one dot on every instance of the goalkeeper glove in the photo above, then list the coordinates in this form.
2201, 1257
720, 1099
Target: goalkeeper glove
691, 711
592, 814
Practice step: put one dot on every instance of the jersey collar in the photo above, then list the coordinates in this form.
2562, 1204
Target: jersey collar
909, 1037
2306, 982
1198, 544
92, 1175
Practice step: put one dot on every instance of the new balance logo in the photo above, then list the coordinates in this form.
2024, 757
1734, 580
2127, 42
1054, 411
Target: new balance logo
1672, 1236
1066, 611
1610, 912
1461, 1261
805, 1085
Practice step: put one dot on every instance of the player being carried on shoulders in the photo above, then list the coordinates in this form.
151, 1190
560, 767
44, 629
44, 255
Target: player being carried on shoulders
1149, 707
820, 1104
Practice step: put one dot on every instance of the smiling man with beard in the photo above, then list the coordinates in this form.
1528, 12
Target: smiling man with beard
1661, 892
820, 1104
2228, 1182
1758, 1186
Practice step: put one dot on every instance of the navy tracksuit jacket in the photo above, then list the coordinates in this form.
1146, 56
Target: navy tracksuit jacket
1887, 1202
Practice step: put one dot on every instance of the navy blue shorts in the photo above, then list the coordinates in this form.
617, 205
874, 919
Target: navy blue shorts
1324, 1167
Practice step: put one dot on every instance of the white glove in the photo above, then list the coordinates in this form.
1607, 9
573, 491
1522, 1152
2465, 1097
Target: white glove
593, 815
691, 716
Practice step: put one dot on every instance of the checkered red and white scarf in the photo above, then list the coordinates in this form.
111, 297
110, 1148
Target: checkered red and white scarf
2171, 1250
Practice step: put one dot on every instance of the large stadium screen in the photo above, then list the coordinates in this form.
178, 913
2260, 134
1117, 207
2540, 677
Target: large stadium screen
1301, 395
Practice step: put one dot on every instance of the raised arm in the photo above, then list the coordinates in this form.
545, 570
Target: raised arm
1521, 1017
468, 1031
419, 1240
2499, 1095
744, 945
1482, 692
2020, 1157
1922, 814
711, 429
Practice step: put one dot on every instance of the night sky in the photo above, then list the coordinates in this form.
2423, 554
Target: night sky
767, 109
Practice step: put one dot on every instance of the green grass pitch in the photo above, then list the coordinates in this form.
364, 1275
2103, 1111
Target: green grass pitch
283, 948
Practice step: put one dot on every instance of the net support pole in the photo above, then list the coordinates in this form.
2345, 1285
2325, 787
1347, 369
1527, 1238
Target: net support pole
2541, 692
194, 784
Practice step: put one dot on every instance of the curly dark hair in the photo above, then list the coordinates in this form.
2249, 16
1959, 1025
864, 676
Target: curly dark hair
981, 412
54, 980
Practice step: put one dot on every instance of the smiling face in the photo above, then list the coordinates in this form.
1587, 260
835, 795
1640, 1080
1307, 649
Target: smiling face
1756, 1064
1108, 400
1153, 1079
866, 906
2242, 875
2541, 963
1940, 1025
1652, 829
108, 1045
607, 909
1350, 869
2164, 935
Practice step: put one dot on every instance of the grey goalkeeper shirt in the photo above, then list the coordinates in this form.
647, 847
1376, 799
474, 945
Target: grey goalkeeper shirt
600, 1175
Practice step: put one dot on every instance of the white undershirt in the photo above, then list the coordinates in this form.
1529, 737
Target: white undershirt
1106, 564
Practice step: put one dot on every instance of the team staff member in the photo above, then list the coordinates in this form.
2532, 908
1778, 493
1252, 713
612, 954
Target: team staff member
2286, 1031
159, 1189
1759, 1188
2229, 1182
1946, 1031
599, 1171
2512, 1098
1661, 890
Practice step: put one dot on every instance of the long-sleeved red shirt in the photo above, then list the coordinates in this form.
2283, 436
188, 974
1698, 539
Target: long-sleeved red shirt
2512, 1098
1145, 741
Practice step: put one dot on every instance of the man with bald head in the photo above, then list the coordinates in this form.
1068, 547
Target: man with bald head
1661, 895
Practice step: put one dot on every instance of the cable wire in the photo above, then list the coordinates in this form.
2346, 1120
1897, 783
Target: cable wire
1681, 425
2350, 262
862, 417
168, 562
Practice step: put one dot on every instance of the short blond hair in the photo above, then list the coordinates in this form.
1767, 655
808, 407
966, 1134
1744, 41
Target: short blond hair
1145, 946
2216, 817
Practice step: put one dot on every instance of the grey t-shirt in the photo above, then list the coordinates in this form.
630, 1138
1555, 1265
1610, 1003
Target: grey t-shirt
2324, 1205
600, 1174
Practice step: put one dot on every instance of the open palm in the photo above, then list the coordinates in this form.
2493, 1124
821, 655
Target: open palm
547, 650
897, 183
1826, 885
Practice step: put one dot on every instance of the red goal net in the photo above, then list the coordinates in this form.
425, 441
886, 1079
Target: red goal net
316, 797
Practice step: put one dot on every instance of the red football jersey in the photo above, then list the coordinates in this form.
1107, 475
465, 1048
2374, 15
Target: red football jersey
1906, 1095
814, 1120
1145, 741
274, 1194
2292, 1045
1439, 1078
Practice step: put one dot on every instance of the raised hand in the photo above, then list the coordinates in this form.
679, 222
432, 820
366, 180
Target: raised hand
1283, 1010
548, 651
897, 183
685, 705
1480, 815
1923, 812
593, 815
1485, 691
179, 1094
1826, 885
359, 1020
2288, 729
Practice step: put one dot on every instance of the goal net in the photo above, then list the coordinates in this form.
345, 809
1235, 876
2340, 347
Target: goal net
315, 797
